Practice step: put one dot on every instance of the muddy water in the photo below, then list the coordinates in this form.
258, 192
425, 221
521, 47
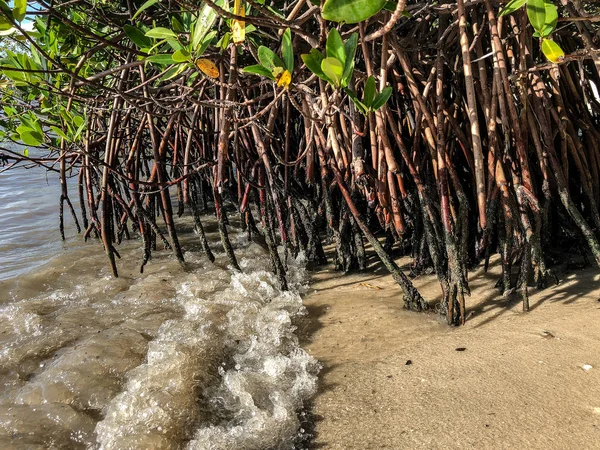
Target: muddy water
188, 357
29, 234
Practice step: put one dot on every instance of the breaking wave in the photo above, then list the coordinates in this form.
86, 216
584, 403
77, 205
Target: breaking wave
173, 359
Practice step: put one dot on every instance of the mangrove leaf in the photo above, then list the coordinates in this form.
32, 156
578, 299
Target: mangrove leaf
351, 11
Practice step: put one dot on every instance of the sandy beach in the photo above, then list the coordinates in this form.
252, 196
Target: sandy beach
394, 379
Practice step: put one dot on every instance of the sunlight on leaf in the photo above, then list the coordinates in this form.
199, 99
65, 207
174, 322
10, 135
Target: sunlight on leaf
511, 7
208, 67
19, 10
536, 11
351, 11
161, 33
284, 79
238, 32
334, 70
552, 50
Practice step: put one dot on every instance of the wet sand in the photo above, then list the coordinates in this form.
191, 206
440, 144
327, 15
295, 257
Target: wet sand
393, 379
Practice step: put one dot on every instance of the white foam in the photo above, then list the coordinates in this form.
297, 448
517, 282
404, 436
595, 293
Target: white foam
229, 374
200, 359
272, 376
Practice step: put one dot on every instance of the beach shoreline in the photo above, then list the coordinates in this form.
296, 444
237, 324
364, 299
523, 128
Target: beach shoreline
396, 379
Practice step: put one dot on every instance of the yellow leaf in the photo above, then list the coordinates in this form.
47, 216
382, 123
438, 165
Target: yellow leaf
208, 67
552, 50
238, 8
238, 27
284, 79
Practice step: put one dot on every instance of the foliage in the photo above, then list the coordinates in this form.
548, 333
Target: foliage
371, 99
351, 11
337, 66
273, 67
543, 17
10, 15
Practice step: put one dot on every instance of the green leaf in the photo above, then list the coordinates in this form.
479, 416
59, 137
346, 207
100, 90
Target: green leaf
205, 21
351, 11
335, 46
10, 30
552, 50
14, 75
67, 119
79, 130
224, 41
137, 36
177, 25
259, 70
5, 24
6, 9
381, 98
350, 51
29, 136
161, 33
163, 59
511, 7
206, 42
287, 50
268, 58
60, 132
313, 61
145, 6
551, 18
181, 56
547, 31
173, 72
19, 10
193, 76
369, 92
174, 44
359, 105
186, 20
333, 69
33, 123
536, 11
26, 153
275, 11
78, 120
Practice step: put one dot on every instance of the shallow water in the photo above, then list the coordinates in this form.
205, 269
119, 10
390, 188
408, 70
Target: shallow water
188, 357
29, 235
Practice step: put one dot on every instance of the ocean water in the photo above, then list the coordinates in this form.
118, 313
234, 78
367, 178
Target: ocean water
29, 235
181, 357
